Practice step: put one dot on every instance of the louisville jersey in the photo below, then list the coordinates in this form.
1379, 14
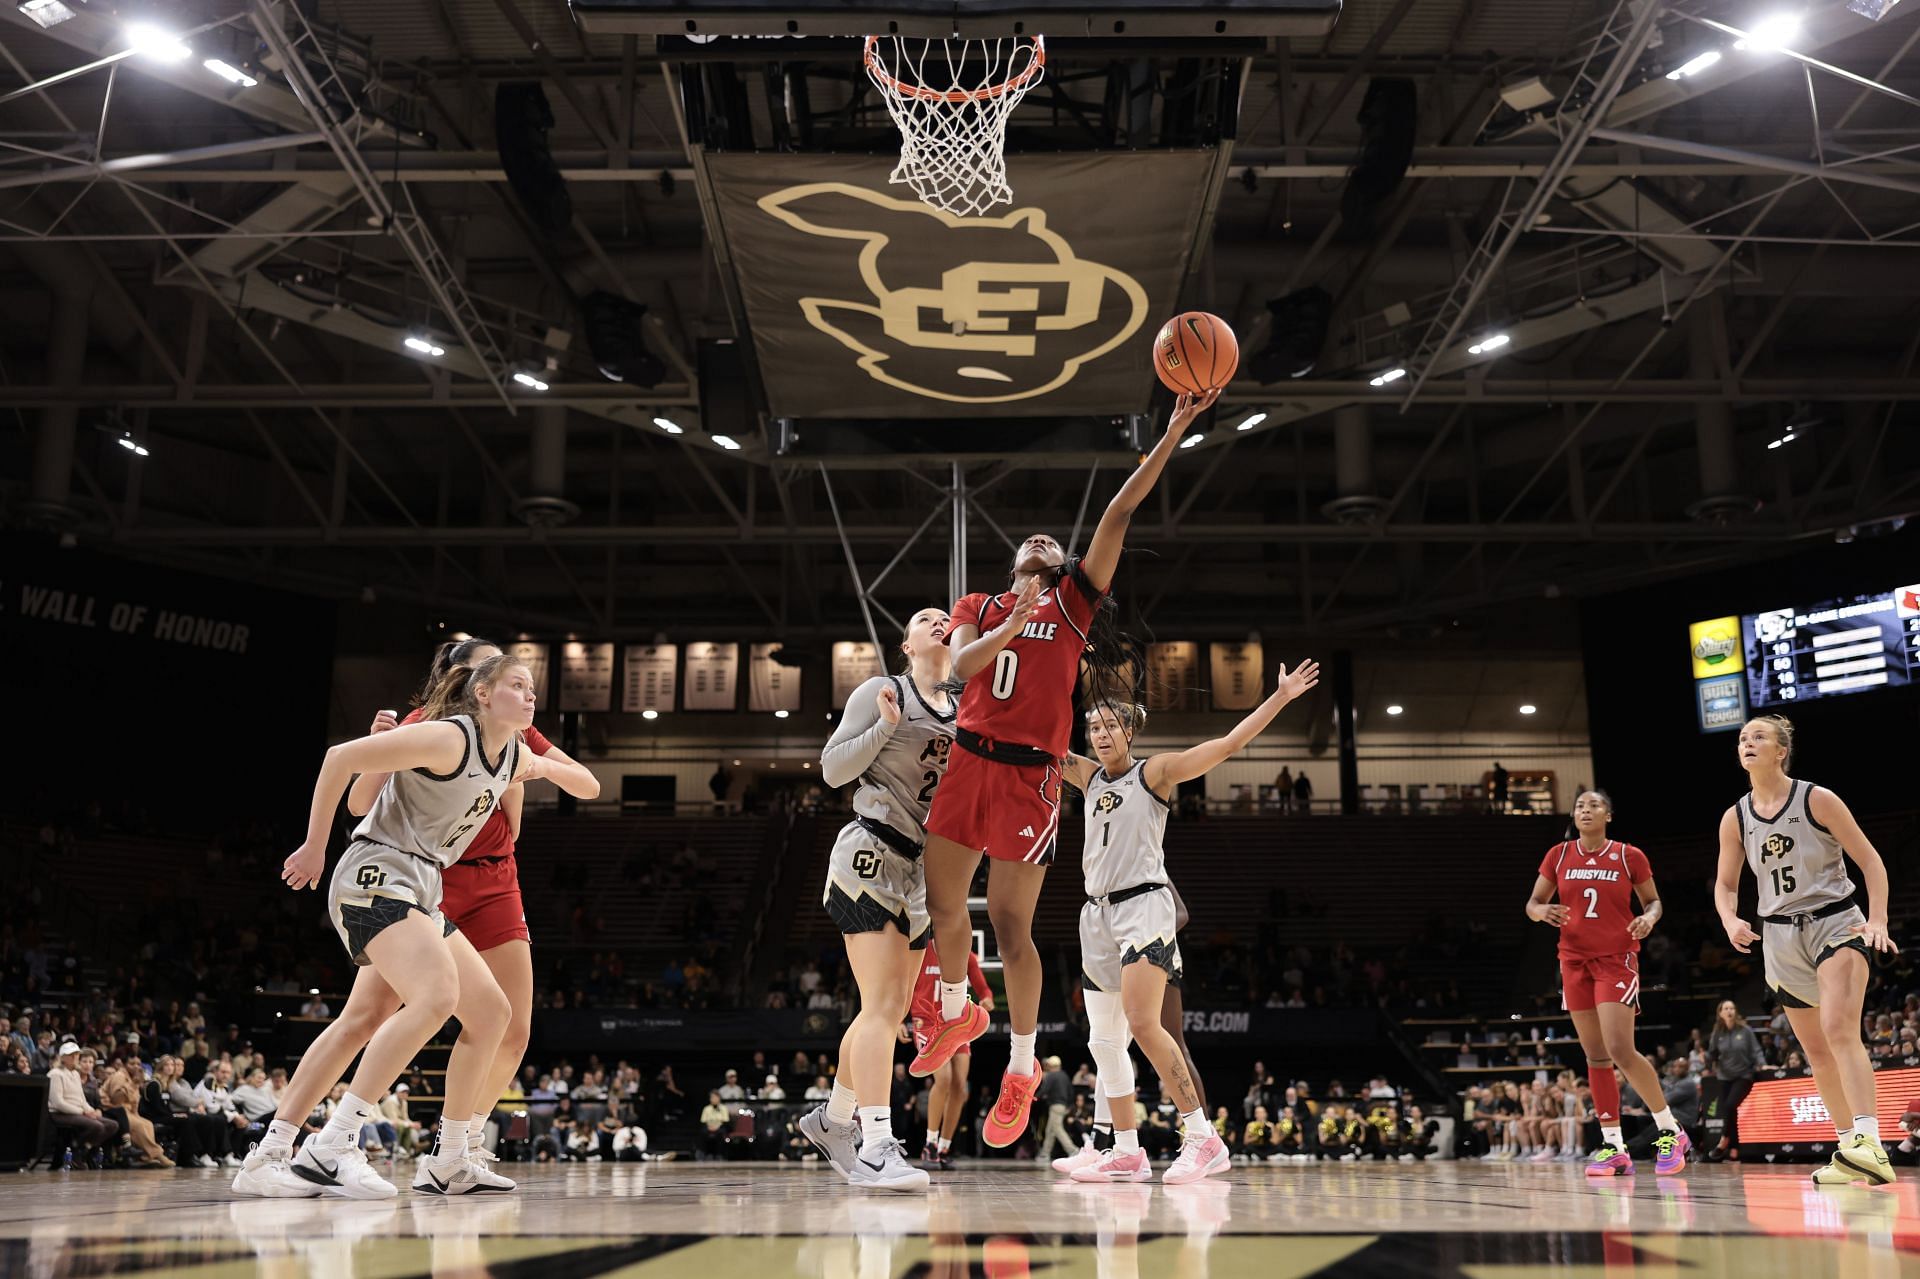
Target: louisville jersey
925, 1004
1597, 890
1026, 695
495, 839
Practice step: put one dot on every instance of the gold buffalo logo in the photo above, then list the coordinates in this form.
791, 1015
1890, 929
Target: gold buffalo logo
1107, 802
1008, 310
1776, 846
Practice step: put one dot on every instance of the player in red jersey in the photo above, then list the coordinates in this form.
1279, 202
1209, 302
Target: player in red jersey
1020, 653
1597, 880
949, 1093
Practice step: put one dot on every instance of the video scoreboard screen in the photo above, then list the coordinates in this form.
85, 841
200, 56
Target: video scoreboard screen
1774, 658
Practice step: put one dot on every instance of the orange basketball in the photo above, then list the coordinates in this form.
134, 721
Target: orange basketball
1195, 352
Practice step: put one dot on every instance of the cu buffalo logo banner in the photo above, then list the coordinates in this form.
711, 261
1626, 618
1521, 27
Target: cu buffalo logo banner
866, 304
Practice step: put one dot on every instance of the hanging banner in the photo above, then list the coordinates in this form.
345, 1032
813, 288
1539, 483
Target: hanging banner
1173, 676
713, 676
1236, 676
854, 663
649, 678
535, 657
774, 687
586, 676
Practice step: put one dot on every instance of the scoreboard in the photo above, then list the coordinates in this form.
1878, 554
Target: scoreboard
1774, 658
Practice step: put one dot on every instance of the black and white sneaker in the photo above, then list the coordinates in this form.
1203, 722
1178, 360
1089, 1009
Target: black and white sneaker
882, 1165
340, 1170
840, 1143
458, 1174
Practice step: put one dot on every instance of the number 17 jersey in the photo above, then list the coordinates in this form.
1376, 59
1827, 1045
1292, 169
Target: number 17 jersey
1597, 890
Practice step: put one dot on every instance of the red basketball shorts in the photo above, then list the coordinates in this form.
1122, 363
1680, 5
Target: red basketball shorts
1600, 979
1011, 812
482, 898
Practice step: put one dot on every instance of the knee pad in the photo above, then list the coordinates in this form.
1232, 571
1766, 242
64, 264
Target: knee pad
1107, 1037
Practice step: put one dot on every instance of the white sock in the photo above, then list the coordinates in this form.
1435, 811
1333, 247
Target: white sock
1126, 1140
280, 1135
876, 1123
946, 1144
453, 1138
348, 1117
477, 1130
933, 1139
1611, 1136
1665, 1119
841, 1104
1868, 1126
1020, 1052
1194, 1124
953, 997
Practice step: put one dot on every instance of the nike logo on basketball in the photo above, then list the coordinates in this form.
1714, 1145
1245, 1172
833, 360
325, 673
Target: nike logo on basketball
1026, 832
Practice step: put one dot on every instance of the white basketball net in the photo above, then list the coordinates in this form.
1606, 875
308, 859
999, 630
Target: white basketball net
951, 99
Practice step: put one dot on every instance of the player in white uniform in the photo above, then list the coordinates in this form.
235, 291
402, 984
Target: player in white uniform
1795, 837
1129, 918
384, 900
894, 737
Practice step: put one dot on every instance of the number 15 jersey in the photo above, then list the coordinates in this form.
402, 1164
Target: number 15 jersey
1025, 695
1597, 890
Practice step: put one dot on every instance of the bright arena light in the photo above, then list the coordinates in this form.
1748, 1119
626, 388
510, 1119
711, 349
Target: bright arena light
230, 73
1192, 440
1390, 376
649, 714
668, 425
529, 381
780, 714
1528, 708
151, 42
425, 346
1253, 421
1772, 33
731, 445
1694, 65
1492, 342
1395, 709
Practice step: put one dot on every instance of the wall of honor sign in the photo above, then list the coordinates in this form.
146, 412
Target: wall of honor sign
1779, 657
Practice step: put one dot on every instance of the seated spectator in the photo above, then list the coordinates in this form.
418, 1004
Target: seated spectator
564, 1140
820, 1090
1340, 1131
316, 1007
254, 1100
731, 1089
119, 1092
405, 1136
1289, 1137
771, 1090
1683, 1095
629, 1141
714, 1119
204, 1137
212, 1093
84, 1125
1422, 1134
1385, 1137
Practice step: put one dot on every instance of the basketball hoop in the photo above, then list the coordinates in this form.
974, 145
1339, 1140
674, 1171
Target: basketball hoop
951, 99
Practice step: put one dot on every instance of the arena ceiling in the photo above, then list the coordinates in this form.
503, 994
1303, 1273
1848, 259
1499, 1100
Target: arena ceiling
1690, 269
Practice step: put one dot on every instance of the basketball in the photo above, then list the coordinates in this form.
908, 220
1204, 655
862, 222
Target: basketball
1195, 352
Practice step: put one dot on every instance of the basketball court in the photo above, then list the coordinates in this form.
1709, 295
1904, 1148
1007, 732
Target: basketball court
1544, 333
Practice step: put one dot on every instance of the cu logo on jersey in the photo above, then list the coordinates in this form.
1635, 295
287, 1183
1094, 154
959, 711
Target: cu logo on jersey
481, 805
866, 863
1107, 802
1777, 845
370, 877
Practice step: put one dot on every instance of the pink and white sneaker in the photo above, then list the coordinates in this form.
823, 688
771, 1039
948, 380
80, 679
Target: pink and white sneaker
1085, 1157
1117, 1165
1199, 1157
1610, 1161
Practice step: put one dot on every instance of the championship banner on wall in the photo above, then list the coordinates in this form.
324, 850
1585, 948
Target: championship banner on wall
854, 663
866, 303
713, 677
649, 678
1237, 676
1173, 676
586, 676
534, 656
773, 687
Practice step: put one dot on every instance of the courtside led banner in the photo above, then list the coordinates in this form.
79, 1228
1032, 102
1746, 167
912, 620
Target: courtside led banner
1790, 1112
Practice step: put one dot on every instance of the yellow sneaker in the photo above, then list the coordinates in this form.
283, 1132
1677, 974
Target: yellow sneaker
1859, 1158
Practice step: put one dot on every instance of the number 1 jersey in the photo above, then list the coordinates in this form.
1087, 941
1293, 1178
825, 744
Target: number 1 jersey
1025, 695
1597, 890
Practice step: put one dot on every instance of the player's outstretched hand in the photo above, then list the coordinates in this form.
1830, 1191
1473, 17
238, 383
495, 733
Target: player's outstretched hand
1874, 933
1741, 935
889, 702
1548, 913
302, 870
1300, 679
1189, 407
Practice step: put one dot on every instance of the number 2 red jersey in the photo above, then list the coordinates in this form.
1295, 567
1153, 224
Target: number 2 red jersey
1597, 890
1026, 695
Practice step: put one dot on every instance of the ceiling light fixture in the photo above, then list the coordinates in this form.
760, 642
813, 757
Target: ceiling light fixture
426, 346
1694, 65
731, 445
1528, 708
668, 425
1251, 422
780, 714
1492, 342
1192, 440
1395, 709
1391, 376
649, 714
529, 381
230, 73
151, 42
1772, 33
132, 446
45, 13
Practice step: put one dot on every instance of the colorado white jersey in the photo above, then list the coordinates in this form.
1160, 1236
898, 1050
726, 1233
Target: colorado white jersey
901, 766
436, 816
1126, 829
1796, 861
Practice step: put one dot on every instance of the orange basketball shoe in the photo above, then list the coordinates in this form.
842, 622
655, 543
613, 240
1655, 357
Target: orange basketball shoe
948, 1038
1008, 1118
